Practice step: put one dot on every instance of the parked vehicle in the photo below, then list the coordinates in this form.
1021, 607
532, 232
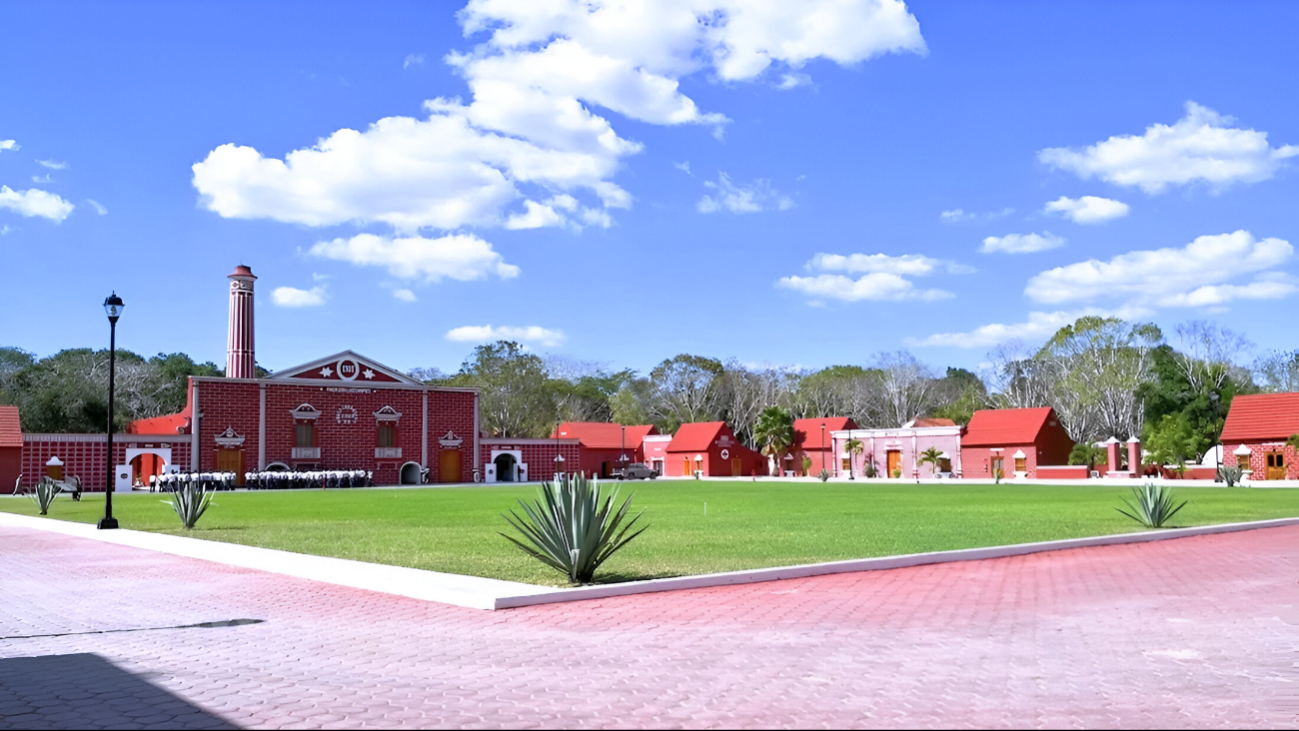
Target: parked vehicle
637, 471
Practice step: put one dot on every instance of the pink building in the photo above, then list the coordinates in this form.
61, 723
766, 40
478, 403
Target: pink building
897, 451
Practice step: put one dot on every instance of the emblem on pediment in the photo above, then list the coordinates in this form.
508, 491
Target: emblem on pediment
346, 415
306, 411
450, 441
229, 438
387, 413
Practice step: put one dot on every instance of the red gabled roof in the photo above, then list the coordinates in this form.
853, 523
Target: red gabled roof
601, 435
1262, 416
929, 421
807, 432
11, 428
1004, 427
697, 437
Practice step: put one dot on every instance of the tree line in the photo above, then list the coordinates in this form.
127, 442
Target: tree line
1104, 377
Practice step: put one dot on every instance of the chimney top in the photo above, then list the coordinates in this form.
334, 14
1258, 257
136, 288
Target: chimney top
241, 271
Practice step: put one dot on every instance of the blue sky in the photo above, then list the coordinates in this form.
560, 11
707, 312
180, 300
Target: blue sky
804, 184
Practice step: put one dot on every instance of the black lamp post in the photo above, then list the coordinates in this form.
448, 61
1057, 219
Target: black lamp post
113, 307
622, 459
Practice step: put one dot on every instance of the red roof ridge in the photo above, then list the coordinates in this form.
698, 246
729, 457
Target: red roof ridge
11, 427
1262, 416
996, 427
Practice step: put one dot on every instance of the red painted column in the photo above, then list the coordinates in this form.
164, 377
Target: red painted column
1134, 456
1112, 453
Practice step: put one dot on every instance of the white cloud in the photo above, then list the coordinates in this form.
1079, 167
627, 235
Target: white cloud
960, 215
1087, 209
793, 81
752, 198
531, 130
413, 59
293, 297
99, 207
1192, 276
488, 333
876, 286
1038, 327
462, 257
40, 179
405, 295
4, 230
35, 202
1198, 148
1021, 243
906, 264
9, 145
537, 216
53, 164
683, 167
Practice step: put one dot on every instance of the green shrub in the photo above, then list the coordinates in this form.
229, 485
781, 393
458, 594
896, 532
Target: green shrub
1153, 507
825, 475
190, 500
44, 492
1230, 474
574, 527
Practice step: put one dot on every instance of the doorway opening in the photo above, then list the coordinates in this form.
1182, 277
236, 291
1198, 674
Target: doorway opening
410, 474
506, 468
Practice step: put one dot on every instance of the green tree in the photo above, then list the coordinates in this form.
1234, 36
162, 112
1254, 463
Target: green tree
930, 456
1174, 440
774, 434
854, 448
961, 393
514, 395
683, 390
1084, 453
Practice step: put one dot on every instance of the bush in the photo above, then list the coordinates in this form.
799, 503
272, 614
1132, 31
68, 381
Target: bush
43, 494
998, 475
190, 500
825, 475
1230, 474
897, 472
1153, 507
574, 527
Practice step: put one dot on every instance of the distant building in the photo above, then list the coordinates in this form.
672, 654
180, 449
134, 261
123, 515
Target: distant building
1014, 441
606, 447
813, 438
1255, 433
890, 452
11, 448
711, 449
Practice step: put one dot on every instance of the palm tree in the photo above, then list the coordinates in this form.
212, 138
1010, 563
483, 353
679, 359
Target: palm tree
854, 447
929, 456
774, 432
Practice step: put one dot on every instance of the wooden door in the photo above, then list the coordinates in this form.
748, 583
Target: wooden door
449, 465
687, 468
231, 460
737, 467
998, 465
1275, 466
894, 462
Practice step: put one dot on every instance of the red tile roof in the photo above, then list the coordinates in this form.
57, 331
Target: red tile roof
601, 435
169, 424
807, 432
1003, 427
11, 428
928, 421
697, 437
1262, 416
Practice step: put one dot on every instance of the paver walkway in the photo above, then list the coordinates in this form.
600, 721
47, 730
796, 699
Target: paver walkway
1196, 632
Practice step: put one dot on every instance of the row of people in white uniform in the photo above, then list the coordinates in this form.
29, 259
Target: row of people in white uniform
279, 480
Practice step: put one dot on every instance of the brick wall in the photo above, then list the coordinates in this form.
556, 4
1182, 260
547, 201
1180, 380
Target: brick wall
83, 455
538, 454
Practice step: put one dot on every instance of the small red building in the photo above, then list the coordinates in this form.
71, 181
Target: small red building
711, 449
11, 448
1255, 433
605, 447
812, 438
1015, 441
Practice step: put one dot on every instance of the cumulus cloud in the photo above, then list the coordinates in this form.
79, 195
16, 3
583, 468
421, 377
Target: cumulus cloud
413, 59
42, 178
756, 196
1201, 147
294, 297
34, 202
530, 130
883, 277
1038, 327
1087, 209
1021, 243
462, 257
683, 167
1197, 274
53, 164
99, 207
960, 215
405, 295
488, 333
793, 81
9, 145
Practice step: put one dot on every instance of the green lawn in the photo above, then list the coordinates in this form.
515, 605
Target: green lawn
747, 525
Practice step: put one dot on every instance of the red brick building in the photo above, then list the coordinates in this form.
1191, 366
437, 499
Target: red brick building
711, 449
11, 448
515, 459
812, 438
1255, 433
1016, 441
606, 448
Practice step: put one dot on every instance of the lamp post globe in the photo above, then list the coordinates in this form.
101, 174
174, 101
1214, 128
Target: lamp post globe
113, 307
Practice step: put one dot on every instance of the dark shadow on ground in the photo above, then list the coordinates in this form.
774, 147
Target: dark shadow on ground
85, 691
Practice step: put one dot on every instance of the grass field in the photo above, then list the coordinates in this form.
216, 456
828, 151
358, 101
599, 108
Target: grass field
747, 525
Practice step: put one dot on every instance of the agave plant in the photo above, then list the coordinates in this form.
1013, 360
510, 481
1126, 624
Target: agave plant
44, 492
190, 500
824, 475
1230, 474
1153, 507
573, 527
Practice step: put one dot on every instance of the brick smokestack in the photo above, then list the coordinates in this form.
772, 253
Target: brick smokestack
240, 361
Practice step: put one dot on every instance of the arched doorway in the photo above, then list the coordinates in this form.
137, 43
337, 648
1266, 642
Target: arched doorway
410, 474
505, 464
143, 463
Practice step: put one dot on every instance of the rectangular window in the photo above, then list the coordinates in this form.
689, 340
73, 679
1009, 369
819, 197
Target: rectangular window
387, 435
846, 464
1021, 464
304, 435
1242, 461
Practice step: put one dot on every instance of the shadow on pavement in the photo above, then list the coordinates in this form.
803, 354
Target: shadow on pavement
85, 691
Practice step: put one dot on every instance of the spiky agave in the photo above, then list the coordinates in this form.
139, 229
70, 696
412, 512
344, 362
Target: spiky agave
44, 492
1153, 507
190, 500
1230, 474
574, 527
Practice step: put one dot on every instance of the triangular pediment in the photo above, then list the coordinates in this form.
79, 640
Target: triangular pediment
347, 368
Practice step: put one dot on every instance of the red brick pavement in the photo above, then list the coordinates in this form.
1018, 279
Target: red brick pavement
1194, 632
